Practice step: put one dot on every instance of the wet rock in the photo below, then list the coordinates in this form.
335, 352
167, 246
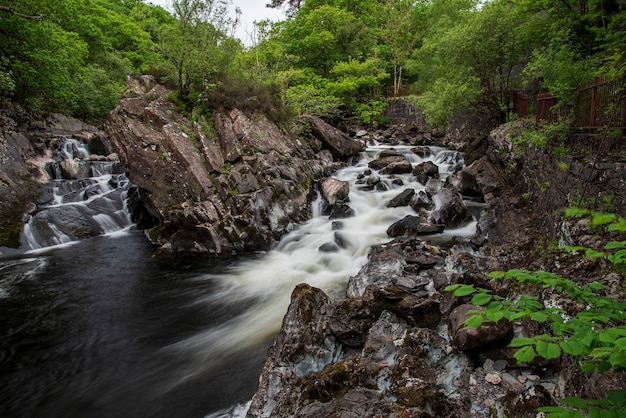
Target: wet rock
451, 210
425, 171
433, 186
329, 247
304, 345
402, 199
413, 225
339, 210
74, 169
421, 200
489, 333
334, 190
415, 310
356, 403
254, 178
385, 161
397, 167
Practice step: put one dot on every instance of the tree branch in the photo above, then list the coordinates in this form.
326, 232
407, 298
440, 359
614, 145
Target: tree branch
11, 9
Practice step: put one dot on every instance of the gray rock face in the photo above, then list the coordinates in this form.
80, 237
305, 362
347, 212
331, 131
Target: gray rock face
228, 182
339, 144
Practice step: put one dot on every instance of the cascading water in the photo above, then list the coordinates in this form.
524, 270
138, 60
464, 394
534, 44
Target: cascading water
87, 199
104, 329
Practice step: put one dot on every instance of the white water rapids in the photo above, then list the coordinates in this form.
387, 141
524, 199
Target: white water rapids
265, 284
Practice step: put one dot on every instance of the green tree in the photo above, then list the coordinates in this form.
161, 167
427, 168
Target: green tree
191, 43
403, 24
486, 49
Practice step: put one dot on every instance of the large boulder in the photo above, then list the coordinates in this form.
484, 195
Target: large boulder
337, 142
482, 337
228, 182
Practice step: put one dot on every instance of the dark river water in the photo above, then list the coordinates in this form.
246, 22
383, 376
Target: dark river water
98, 329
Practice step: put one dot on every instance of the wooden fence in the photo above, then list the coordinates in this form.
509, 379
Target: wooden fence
600, 104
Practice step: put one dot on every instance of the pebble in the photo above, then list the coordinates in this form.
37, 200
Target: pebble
493, 378
488, 366
533, 378
499, 365
522, 379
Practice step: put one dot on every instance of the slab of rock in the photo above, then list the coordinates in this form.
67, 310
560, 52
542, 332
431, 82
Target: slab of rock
414, 225
403, 199
339, 144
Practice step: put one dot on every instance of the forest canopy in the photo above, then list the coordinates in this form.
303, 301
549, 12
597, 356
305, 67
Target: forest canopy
329, 57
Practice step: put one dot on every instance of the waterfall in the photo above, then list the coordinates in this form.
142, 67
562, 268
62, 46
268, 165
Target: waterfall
86, 198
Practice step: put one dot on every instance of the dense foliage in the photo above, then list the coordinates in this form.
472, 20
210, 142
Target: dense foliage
331, 57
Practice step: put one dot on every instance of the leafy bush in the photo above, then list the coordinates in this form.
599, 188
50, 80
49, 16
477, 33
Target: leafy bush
595, 335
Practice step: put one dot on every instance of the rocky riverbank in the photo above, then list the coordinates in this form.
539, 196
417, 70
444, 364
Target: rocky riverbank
396, 345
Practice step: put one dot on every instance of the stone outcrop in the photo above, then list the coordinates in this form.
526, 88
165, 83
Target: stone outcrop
225, 182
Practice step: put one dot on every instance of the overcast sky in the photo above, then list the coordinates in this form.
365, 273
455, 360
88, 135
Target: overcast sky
251, 10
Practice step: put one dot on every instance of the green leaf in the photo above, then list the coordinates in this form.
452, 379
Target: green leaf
548, 350
591, 253
525, 354
571, 347
474, 321
494, 316
620, 343
620, 225
452, 287
615, 244
497, 274
577, 402
618, 358
616, 397
464, 290
602, 218
481, 299
604, 366
595, 286
571, 248
588, 366
538, 316
522, 341
574, 212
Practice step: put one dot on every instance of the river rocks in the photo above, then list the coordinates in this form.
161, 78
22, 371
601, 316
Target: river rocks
333, 190
234, 179
425, 171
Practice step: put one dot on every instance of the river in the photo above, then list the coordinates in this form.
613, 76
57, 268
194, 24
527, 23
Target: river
103, 327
